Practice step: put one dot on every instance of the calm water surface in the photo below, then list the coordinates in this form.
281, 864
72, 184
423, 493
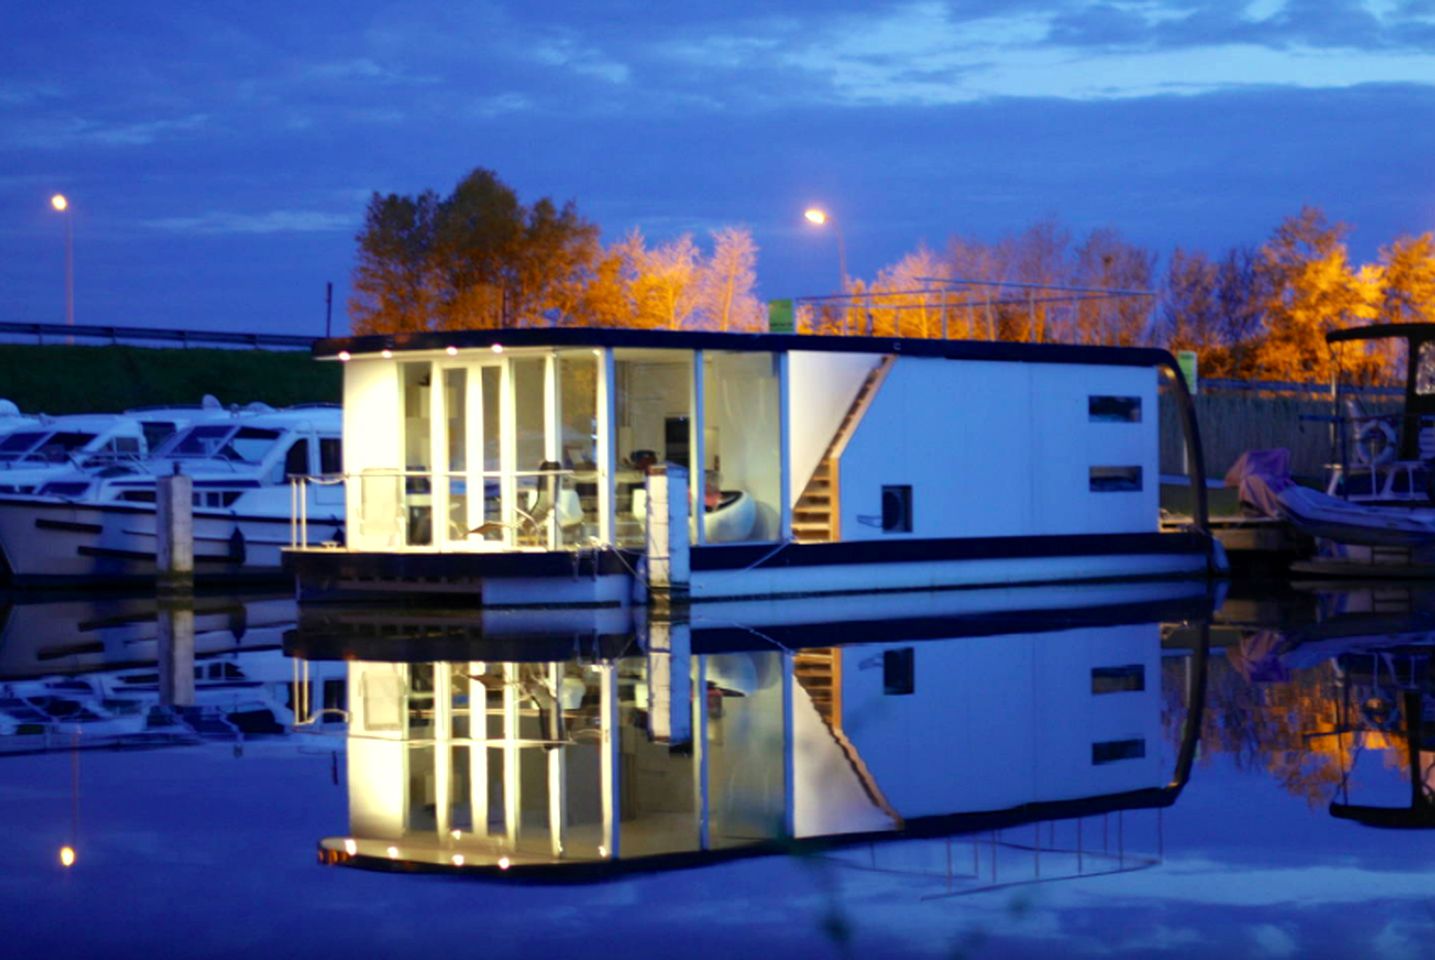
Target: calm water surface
1127, 770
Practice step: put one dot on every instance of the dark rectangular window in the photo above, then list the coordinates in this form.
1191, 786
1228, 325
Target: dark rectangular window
331, 455
1118, 679
1110, 751
1101, 409
1115, 479
897, 509
899, 672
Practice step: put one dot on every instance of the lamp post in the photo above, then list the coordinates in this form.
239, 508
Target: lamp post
61, 204
821, 218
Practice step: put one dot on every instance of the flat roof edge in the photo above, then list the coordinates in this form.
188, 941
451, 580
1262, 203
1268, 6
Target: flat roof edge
1005, 350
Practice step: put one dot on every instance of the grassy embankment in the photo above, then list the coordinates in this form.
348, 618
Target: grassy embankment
60, 379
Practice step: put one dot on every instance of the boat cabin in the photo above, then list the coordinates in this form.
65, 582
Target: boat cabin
1383, 444
805, 462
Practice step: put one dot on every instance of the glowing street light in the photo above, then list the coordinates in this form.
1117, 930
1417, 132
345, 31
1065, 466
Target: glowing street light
61, 204
67, 856
821, 218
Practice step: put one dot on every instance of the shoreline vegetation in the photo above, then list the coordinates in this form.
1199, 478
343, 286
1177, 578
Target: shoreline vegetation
58, 379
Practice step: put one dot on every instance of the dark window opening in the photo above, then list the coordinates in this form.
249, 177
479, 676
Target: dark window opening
1115, 479
897, 509
1129, 678
331, 455
1110, 751
899, 672
675, 441
296, 461
1100, 409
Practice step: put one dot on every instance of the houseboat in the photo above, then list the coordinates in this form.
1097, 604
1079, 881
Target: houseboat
600, 466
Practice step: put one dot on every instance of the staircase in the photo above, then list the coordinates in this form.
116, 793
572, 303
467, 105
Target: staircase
814, 517
818, 671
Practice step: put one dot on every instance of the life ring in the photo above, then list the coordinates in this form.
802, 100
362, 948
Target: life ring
1375, 443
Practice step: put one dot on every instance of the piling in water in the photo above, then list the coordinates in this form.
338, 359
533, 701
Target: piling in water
174, 533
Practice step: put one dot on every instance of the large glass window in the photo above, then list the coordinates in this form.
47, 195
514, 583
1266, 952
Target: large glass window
417, 380
577, 490
653, 425
742, 447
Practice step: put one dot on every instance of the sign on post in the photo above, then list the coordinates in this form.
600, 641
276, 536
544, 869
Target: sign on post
1187, 361
780, 317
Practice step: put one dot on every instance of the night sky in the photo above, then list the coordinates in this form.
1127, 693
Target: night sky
218, 158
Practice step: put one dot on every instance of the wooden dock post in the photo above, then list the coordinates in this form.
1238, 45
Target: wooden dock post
174, 533
668, 538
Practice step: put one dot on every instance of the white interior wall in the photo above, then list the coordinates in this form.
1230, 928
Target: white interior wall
999, 449
372, 441
821, 388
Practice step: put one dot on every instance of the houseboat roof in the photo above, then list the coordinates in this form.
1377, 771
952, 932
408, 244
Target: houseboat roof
343, 347
1379, 331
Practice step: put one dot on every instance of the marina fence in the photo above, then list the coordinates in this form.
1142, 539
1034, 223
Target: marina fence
1239, 415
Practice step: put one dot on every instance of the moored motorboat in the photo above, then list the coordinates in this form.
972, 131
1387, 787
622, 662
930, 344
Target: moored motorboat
99, 523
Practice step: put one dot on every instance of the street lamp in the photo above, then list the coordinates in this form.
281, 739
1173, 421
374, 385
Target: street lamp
821, 218
61, 204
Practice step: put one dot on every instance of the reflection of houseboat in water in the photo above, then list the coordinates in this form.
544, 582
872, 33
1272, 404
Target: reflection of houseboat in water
526, 466
700, 742
126, 671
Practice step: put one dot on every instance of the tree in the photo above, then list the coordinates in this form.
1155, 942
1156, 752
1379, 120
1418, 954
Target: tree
477, 258
1408, 272
664, 281
394, 286
1107, 261
726, 280
1309, 289
906, 302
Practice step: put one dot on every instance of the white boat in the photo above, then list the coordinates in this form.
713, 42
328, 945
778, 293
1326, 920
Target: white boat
1376, 513
99, 524
38, 449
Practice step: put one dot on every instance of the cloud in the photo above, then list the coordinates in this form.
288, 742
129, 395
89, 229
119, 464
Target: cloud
44, 133
273, 221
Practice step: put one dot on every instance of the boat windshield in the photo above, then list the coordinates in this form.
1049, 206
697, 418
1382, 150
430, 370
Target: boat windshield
48, 446
222, 442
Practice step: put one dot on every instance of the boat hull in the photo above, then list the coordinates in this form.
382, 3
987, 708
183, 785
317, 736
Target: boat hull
47, 540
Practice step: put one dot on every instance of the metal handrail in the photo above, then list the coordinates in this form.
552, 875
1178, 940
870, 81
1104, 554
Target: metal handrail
299, 487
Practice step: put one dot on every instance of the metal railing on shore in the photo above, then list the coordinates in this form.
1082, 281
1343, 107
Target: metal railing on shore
64, 333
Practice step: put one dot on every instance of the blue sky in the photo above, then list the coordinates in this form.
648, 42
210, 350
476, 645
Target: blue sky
219, 157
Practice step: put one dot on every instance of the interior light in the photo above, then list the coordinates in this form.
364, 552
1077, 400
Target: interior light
498, 348
455, 834
344, 356
350, 847
387, 354
451, 350
67, 856
503, 863
393, 853
602, 850
457, 859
